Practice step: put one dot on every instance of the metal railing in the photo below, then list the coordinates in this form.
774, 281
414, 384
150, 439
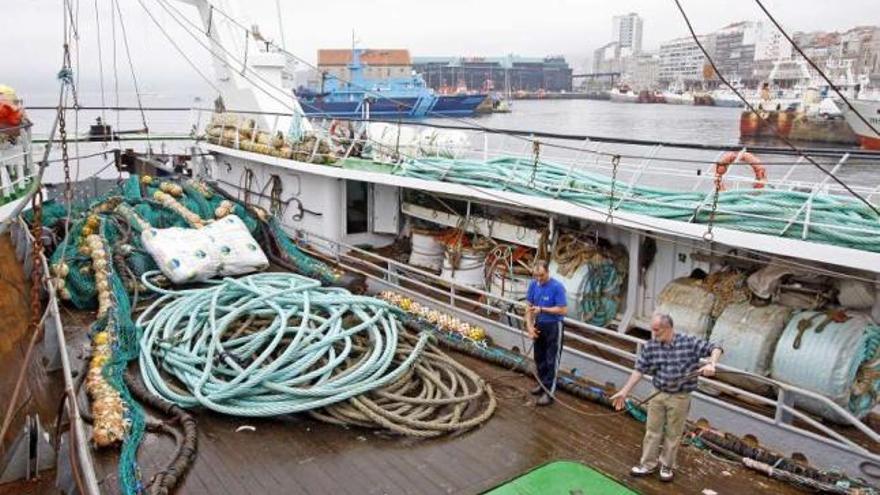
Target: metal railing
459, 298
652, 166
16, 162
52, 319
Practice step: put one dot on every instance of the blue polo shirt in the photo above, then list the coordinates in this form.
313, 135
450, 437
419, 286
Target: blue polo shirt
548, 295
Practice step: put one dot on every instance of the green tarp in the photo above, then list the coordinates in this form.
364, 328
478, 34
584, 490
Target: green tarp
562, 478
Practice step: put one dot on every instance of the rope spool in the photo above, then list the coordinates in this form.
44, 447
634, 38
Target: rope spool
427, 251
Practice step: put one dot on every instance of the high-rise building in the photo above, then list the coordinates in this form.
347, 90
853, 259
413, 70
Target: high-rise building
735, 48
626, 31
682, 61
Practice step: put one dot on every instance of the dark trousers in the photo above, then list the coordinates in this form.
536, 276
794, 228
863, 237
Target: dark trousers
548, 350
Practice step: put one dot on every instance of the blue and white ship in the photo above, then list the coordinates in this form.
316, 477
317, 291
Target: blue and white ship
406, 97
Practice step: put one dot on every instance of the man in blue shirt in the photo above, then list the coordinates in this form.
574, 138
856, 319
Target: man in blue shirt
544, 314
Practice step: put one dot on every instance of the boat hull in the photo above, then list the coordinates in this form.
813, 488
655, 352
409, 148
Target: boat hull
393, 107
870, 110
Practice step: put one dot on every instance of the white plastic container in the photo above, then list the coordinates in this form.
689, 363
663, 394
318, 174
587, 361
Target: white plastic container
427, 251
512, 287
469, 271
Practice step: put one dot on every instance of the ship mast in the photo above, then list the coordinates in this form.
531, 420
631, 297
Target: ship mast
249, 76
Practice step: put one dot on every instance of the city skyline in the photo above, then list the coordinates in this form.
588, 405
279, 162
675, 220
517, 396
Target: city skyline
490, 29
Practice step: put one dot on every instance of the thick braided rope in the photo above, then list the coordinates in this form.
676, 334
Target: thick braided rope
305, 353
437, 396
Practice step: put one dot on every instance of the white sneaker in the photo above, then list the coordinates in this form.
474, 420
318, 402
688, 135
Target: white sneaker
666, 474
641, 470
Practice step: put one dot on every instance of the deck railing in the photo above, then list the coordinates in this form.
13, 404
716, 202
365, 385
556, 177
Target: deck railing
16, 162
57, 353
461, 299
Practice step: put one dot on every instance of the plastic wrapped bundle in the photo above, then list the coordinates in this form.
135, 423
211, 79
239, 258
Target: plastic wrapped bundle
749, 335
837, 359
689, 304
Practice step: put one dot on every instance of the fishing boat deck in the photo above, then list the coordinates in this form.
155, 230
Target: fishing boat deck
297, 454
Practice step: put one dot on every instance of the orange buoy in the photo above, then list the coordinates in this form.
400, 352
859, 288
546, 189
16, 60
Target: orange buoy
730, 157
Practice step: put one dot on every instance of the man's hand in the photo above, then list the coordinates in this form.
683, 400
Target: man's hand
708, 369
533, 332
619, 400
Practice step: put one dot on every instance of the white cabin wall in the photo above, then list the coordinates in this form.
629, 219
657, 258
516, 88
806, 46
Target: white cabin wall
321, 196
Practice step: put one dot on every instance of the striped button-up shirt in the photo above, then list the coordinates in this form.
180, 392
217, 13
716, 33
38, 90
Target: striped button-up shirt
670, 363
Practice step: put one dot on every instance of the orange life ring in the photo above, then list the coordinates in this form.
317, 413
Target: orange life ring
730, 157
341, 129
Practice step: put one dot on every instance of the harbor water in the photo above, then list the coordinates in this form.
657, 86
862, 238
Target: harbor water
594, 118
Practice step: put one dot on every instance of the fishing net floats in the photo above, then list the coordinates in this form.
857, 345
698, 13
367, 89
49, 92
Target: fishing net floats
101, 264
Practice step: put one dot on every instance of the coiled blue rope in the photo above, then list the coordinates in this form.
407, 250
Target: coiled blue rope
268, 344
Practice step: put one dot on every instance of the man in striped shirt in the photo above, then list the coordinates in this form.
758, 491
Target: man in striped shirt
673, 361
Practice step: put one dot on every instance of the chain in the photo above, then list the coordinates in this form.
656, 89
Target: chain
275, 196
62, 130
248, 183
37, 261
615, 161
536, 150
709, 236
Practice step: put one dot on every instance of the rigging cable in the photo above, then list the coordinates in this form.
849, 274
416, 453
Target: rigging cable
763, 119
115, 67
817, 69
180, 50
100, 62
133, 75
650, 227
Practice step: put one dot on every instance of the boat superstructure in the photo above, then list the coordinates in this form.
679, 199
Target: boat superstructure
17, 167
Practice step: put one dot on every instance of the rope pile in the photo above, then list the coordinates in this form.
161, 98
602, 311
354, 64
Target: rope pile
833, 219
97, 265
436, 396
278, 343
268, 344
600, 288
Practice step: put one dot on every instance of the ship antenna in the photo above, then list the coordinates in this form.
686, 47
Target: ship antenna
769, 124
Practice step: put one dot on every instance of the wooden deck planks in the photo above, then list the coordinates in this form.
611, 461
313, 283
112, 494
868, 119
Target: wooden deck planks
300, 455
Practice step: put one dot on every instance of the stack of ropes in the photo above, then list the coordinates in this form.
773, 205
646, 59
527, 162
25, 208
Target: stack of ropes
97, 265
600, 288
833, 219
278, 343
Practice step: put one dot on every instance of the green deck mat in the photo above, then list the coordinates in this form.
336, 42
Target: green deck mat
562, 478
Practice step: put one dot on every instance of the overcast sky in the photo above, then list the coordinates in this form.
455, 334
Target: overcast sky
30, 30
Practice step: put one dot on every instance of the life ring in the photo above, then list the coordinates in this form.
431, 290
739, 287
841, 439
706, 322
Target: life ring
341, 130
730, 157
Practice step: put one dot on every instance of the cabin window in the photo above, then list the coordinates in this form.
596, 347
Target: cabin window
356, 207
